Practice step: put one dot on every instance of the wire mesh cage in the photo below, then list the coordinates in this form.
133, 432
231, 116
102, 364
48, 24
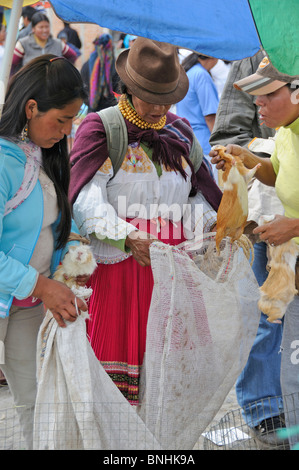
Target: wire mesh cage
239, 431
57, 430
11, 437
232, 432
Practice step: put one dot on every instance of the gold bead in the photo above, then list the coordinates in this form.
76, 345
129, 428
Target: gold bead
132, 116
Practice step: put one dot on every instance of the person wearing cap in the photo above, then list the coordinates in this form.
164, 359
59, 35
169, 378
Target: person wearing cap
238, 122
123, 212
277, 96
71, 35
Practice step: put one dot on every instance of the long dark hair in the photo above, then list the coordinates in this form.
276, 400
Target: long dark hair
38, 17
52, 84
191, 60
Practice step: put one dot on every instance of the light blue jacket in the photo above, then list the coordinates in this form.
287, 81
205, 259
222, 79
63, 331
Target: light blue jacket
19, 230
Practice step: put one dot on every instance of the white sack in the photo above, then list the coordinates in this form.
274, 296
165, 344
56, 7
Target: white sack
202, 323
78, 406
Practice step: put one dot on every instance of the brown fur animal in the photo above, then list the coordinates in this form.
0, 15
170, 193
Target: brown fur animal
233, 210
279, 288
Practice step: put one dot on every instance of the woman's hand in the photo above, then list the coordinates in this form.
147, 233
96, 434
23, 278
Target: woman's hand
58, 298
139, 243
280, 230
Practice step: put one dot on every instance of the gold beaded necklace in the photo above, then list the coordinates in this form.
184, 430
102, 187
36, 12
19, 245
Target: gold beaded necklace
131, 115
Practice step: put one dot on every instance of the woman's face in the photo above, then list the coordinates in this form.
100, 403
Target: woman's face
151, 113
279, 108
42, 30
46, 129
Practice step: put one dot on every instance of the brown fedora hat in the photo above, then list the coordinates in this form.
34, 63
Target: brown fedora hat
151, 70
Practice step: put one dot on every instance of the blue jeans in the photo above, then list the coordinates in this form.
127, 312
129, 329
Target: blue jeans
258, 387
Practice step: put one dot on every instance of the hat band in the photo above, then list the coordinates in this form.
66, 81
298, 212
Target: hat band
148, 85
263, 81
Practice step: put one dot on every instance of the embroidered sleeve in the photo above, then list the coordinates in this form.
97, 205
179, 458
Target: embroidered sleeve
95, 215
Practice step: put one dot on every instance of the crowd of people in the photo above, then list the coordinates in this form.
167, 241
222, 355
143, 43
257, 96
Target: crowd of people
159, 159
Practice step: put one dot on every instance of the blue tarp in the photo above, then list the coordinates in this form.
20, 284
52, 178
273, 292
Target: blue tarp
219, 28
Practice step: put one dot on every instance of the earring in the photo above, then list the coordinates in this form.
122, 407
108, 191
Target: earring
24, 133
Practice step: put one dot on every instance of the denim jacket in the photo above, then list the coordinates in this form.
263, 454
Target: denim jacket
19, 230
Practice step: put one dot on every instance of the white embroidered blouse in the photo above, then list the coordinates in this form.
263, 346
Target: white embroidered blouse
136, 192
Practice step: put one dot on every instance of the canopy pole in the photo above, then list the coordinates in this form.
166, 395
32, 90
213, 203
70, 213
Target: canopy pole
10, 42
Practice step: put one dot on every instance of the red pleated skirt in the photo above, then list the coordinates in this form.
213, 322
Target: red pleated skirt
118, 310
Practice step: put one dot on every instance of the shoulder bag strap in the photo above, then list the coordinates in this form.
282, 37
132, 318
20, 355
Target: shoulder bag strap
117, 135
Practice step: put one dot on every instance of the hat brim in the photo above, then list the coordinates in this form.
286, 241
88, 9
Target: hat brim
154, 98
256, 84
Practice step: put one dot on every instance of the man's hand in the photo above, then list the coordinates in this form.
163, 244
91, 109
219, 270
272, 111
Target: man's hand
280, 230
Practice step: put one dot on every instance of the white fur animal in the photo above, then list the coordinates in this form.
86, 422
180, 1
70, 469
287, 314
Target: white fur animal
78, 261
279, 288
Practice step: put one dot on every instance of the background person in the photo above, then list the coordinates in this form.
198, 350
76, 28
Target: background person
40, 42
200, 104
99, 75
27, 14
218, 69
2, 41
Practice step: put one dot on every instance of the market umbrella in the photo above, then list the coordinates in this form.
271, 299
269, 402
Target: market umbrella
225, 29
